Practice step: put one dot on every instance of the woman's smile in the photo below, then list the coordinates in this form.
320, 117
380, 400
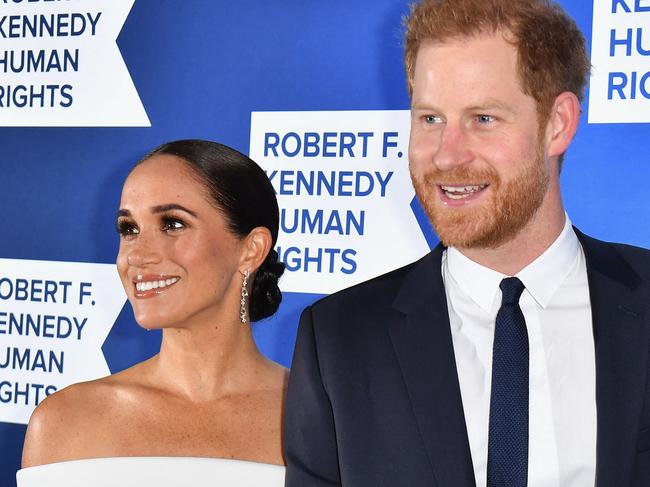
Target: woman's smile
152, 285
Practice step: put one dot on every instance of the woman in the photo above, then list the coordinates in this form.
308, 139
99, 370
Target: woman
197, 225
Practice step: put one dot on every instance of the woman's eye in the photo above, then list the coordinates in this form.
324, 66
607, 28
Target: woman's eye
172, 224
126, 229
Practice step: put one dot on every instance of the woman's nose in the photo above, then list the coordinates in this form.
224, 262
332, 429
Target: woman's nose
142, 252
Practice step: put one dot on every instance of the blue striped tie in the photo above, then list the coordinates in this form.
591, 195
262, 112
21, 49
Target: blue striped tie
508, 437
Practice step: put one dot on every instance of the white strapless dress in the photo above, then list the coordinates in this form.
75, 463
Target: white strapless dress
152, 471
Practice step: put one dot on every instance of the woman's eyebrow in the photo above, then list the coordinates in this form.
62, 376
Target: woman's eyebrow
171, 206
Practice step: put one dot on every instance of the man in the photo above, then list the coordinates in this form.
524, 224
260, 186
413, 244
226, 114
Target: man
517, 353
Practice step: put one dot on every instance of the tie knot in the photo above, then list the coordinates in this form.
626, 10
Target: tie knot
511, 289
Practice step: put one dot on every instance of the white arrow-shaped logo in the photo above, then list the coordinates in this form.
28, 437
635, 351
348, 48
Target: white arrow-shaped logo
344, 191
60, 66
54, 318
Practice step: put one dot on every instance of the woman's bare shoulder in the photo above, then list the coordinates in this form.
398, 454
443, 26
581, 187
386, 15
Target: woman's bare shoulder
65, 424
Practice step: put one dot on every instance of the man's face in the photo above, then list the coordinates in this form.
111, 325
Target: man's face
476, 158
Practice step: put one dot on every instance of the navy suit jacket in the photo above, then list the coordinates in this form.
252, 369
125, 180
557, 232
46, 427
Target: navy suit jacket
374, 398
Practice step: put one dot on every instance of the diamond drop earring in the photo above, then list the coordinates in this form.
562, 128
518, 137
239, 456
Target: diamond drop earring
244, 296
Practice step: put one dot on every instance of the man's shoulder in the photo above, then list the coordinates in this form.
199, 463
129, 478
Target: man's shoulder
357, 318
633, 252
638, 258
378, 292
615, 254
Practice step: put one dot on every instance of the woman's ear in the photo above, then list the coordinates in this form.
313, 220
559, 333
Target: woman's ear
257, 245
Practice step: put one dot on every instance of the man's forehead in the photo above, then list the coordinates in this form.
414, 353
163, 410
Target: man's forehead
475, 72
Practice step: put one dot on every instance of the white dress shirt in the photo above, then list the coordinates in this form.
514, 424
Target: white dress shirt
562, 401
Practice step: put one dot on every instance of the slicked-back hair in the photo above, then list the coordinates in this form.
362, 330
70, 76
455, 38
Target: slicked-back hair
242, 192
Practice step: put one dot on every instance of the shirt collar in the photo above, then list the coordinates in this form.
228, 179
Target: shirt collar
478, 282
542, 277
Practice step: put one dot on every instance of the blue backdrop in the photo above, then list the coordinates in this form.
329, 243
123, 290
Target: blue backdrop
200, 68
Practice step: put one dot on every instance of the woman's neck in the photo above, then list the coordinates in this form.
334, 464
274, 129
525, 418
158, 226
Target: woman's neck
207, 359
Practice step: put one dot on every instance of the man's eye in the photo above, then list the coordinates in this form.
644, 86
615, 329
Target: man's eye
126, 228
485, 118
172, 224
432, 119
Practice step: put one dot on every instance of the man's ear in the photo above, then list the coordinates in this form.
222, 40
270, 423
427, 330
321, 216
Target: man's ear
562, 123
257, 245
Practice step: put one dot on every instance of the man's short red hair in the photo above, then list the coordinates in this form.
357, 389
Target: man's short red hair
552, 57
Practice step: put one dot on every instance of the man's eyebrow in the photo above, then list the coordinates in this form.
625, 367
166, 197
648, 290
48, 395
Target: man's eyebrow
492, 105
484, 105
421, 105
122, 212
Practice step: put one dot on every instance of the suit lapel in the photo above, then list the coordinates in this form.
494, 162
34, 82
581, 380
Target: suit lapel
621, 339
424, 349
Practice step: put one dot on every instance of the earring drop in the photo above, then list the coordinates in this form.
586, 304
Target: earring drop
244, 296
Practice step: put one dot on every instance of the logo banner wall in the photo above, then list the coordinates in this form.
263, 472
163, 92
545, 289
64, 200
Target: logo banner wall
60, 66
620, 55
343, 186
54, 318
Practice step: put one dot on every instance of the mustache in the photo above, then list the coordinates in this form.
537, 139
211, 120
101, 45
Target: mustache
461, 176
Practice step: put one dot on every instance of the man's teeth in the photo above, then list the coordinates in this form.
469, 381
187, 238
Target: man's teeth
460, 192
148, 285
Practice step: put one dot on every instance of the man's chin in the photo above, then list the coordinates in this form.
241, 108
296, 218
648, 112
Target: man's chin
467, 241
462, 230
488, 229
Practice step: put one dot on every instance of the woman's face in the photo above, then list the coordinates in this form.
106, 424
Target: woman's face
178, 261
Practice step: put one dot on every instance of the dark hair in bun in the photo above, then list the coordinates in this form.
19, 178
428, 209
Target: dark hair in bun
243, 192
265, 294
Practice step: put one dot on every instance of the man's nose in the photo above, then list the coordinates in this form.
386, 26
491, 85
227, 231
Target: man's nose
453, 148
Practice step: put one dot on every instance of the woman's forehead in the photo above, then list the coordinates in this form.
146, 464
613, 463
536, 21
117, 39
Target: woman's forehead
164, 176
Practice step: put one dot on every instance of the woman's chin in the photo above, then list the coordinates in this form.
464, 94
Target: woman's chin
151, 322
150, 326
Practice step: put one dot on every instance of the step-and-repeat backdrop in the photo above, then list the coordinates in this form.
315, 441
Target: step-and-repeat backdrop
314, 91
